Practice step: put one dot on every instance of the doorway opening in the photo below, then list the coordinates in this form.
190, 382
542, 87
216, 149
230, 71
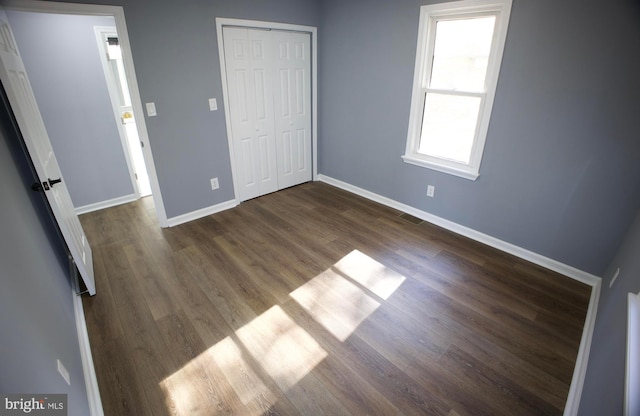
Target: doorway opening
115, 75
126, 73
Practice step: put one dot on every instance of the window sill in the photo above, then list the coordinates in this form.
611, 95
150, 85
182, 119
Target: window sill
467, 174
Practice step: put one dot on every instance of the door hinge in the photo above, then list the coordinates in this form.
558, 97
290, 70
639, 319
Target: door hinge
141, 143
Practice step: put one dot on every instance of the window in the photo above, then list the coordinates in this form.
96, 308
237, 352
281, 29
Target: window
457, 63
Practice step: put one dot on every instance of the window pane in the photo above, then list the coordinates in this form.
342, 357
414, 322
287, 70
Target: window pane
461, 54
449, 126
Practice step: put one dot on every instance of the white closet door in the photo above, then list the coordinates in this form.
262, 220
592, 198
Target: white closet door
292, 71
248, 62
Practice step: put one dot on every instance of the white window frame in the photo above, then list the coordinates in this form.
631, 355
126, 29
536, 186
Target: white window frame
429, 15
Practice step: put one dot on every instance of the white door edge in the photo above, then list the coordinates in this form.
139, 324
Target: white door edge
313, 31
123, 35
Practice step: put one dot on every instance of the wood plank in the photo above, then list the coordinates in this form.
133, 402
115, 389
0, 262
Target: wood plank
357, 355
148, 273
118, 380
203, 315
147, 348
442, 313
100, 310
198, 386
228, 302
552, 390
258, 393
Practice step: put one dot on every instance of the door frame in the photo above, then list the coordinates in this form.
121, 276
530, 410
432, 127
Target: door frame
221, 22
117, 12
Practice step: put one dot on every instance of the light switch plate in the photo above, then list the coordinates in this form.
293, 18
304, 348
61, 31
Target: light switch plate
151, 109
213, 104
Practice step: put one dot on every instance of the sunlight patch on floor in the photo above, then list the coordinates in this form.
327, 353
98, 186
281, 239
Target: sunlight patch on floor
240, 374
272, 345
284, 350
335, 303
337, 298
371, 274
190, 390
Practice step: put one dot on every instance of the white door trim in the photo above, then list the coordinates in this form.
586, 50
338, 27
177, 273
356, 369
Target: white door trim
117, 12
313, 31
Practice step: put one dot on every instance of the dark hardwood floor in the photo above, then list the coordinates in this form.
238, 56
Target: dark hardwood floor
315, 301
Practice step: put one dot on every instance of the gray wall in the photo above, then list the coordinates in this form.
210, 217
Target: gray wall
175, 53
36, 305
603, 392
560, 174
60, 53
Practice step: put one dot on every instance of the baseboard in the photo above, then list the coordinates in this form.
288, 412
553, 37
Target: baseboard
580, 369
106, 204
520, 252
90, 380
194, 215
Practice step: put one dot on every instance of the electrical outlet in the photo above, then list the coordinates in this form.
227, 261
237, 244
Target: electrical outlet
63, 372
214, 184
615, 276
431, 190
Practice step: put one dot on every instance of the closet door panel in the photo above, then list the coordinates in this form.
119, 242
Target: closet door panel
248, 59
293, 107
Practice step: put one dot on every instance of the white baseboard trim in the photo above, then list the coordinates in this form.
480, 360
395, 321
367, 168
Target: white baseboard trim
106, 204
501, 245
90, 380
577, 382
194, 215
580, 370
